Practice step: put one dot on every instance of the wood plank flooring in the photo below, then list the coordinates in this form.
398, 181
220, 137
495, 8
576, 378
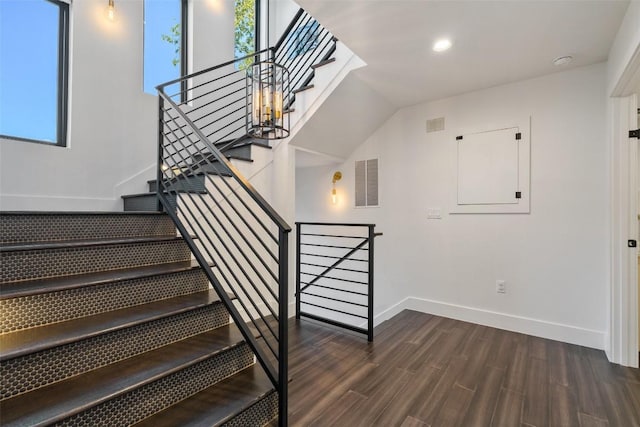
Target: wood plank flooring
425, 370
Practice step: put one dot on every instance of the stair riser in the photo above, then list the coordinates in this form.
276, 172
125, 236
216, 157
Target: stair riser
23, 228
154, 397
258, 414
45, 263
42, 309
145, 203
36, 370
194, 183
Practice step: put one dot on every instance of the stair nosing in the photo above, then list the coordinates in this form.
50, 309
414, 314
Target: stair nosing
63, 244
56, 284
80, 213
132, 320
150, 376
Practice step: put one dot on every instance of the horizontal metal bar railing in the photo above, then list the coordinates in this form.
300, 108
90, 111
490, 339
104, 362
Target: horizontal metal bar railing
319, 293
225, 221
235, 229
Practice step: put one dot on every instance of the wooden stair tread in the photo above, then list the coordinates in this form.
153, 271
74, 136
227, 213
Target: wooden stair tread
323, 63
217, 404
63, 244
33, 287
303, 88
212, 158
154, 194
65, 398
19, 343
242, 143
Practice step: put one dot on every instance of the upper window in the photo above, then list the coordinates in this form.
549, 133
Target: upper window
245, 31
33, 68
164, 42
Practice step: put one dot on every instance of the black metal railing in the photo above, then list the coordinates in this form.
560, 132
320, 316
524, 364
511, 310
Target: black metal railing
236, 236
304, 44
238, 239
334, 279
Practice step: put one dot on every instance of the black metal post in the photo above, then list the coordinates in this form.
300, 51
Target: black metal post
283, 317
370, 302
298, 227
160, 172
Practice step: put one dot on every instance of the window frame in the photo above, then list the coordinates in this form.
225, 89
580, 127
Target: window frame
184, 47
62, 102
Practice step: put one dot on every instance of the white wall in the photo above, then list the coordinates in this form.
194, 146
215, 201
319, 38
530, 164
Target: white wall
281, 14
554, 260
112, 141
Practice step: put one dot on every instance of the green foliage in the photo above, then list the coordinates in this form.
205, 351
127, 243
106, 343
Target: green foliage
244, 24
173, 38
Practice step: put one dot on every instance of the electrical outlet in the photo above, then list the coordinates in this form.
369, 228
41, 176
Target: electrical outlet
501, 287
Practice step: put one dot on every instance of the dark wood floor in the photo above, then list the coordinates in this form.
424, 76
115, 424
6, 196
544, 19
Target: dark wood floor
425, 370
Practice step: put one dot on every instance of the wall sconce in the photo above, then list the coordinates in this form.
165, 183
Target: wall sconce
337, 176
111, 10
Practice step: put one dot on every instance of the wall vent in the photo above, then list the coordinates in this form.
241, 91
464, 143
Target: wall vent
366, 183
435, 125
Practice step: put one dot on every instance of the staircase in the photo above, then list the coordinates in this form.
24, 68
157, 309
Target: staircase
241, 151
107, 321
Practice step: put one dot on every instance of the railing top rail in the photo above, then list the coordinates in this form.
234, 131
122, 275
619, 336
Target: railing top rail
286, 32
336, 224
161, 87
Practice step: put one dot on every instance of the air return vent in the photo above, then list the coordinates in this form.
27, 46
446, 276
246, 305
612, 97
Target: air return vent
366, 182
435, 125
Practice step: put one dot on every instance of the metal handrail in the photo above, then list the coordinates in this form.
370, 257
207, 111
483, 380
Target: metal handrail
213, 216
350, 293
223, 218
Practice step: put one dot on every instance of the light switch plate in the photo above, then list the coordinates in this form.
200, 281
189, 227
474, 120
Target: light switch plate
434, 213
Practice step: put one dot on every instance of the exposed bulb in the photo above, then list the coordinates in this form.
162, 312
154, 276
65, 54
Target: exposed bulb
111, 11
334, 196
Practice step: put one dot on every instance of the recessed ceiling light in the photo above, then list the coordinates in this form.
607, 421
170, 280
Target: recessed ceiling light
442, 45
562, 60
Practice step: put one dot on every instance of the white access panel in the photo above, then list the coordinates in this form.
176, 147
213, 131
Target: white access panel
488, 168
491, 167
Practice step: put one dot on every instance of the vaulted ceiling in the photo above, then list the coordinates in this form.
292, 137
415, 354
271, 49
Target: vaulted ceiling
494, 42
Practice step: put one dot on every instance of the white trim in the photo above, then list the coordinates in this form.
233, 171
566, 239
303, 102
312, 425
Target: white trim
622, 345
525, 325
630, 78
390, 312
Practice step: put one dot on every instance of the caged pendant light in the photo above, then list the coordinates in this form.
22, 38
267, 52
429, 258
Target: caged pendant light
267, 84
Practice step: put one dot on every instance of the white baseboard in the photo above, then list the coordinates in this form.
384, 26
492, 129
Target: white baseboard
540, 328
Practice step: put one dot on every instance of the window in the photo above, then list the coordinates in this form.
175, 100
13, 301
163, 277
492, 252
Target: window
245, 40
366, 183
34, 61
165, 42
